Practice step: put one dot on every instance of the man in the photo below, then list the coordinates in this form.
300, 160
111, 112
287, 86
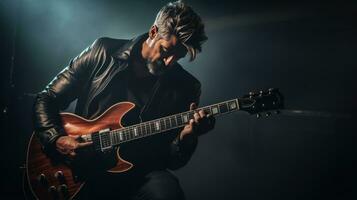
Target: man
143, 71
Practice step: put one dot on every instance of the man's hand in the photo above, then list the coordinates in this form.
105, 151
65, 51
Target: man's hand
201, 124
67, 145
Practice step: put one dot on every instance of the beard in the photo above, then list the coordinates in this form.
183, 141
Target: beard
156, 68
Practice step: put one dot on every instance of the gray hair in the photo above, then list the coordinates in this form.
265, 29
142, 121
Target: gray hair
179, 19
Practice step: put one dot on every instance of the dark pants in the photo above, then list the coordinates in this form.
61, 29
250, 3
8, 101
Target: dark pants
157, 185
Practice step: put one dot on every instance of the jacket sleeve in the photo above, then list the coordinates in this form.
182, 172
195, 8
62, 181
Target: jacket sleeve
182, 150
57, 95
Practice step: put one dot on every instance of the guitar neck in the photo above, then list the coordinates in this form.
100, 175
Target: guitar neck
161, 125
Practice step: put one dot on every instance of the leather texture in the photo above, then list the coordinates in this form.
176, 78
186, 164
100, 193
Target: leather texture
89, 73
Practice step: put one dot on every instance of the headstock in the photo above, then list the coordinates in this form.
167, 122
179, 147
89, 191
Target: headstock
262, 101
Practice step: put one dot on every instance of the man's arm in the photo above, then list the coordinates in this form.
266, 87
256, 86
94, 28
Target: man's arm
57, 95
185, 143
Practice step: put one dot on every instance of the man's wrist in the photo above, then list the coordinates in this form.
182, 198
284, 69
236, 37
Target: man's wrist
187, 141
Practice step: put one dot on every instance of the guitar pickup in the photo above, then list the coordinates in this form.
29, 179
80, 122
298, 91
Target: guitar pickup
102, 140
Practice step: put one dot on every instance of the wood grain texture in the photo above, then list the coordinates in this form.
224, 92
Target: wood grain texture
38, 162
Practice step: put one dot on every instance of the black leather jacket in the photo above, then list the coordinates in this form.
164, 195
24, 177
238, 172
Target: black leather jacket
89, 73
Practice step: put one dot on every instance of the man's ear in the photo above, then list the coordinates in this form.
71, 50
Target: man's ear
153, 31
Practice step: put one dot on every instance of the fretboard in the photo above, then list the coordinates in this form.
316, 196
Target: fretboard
112, 138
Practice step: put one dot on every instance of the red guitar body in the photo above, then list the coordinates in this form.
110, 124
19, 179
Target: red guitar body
54, 180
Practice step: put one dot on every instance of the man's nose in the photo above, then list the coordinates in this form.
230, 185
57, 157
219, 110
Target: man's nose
168, 60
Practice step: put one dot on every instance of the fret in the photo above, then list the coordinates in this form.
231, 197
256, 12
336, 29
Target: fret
232, 105
126, 135
140, 129
162, 124
152, 127
111, 138
144, 129
185, 118
215, 110
223, 107
173, 121
131, 133
157, 125
167, 123
190, 115
179, 119
121, 136
115, 138
207, 110
148, 131
134, 132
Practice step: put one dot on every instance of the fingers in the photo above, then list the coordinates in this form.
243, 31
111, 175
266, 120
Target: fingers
74, 136
200, 116
192, 124
197, 117
64, 151
68, 144
83, 144
202, 113
72, 153
193, 106
204, 122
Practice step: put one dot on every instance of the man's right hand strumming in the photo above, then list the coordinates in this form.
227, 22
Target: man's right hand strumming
67, 145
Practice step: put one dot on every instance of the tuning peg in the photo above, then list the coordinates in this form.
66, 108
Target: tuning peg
258, 115
261, 92
267, 114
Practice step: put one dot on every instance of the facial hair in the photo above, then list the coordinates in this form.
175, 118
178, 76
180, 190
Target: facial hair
156, 68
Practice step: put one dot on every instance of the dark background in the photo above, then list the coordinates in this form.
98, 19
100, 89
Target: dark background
308, 50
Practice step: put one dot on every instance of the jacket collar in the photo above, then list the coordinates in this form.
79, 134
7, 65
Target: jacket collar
125, 51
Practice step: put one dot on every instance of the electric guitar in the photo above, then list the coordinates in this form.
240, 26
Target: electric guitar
55, 180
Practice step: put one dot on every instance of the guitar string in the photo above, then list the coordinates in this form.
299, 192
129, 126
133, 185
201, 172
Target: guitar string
128, 130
